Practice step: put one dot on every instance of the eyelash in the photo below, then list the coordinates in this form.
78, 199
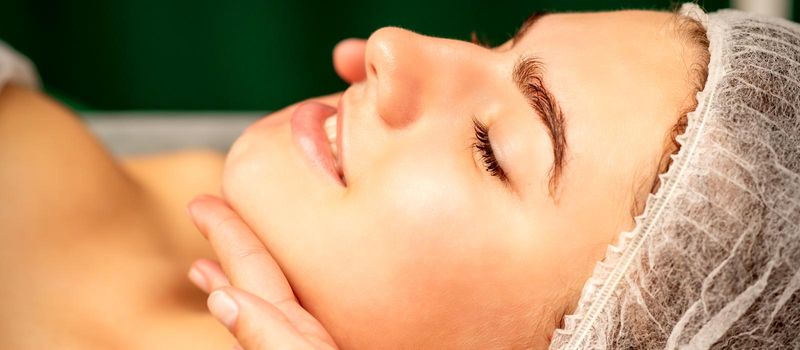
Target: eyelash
483, 146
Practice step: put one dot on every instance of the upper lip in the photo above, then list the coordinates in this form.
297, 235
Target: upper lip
340, 136
308, 134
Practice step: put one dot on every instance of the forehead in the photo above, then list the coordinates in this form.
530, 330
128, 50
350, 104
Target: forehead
602, 60
621, 78
630, 37
625, 23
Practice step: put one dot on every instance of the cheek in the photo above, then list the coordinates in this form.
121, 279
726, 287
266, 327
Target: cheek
424, 193
433, 211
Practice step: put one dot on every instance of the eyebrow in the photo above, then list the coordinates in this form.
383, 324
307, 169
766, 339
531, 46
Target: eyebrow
528, 74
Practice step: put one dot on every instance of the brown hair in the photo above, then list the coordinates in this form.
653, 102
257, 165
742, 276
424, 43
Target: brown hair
693, 35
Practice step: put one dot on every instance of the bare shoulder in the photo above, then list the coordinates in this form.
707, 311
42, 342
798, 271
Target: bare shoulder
50, 160
62, 195
91, 246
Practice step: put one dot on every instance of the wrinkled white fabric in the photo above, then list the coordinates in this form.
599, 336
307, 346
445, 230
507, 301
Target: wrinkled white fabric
714, 260
17, 69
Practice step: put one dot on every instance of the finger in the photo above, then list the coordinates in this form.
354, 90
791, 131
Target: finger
248, 264
255, 323
208, 275
348, 60
242, 256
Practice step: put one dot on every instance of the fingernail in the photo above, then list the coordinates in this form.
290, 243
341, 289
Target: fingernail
198, 279
223, 308
237, 347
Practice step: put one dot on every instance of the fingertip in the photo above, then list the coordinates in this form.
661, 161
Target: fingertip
203, 261
191, 207
200, 198
198, 279
348, 59
198, 265
345, 44
202, 208
211, 273
223, 307
205, 199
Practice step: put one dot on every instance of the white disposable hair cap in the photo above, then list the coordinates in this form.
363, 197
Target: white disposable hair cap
17, 69
714, 259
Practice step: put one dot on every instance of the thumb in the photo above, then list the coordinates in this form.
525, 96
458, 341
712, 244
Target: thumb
255, 323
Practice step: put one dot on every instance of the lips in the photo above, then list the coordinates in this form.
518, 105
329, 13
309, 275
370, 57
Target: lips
309, 134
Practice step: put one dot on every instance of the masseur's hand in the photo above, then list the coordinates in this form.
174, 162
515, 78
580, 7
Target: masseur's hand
348, 60
254, 301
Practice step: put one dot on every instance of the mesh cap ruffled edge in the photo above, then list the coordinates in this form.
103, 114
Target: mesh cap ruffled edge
608, 273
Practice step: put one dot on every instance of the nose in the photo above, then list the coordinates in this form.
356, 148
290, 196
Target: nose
410, 72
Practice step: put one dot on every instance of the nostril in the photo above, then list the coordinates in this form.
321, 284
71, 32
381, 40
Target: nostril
373, 70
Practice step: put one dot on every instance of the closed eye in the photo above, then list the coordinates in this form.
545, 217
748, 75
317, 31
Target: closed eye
483, 146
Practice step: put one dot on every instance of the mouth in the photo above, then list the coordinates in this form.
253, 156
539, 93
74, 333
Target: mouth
332, 132
316, 132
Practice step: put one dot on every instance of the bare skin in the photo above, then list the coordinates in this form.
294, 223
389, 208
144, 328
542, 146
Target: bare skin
62, 190
95, 249
127, 289
425, 246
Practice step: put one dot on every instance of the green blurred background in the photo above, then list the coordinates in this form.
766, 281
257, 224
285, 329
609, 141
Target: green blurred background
233, 55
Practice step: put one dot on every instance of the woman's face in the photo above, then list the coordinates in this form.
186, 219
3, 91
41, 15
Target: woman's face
424, 245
